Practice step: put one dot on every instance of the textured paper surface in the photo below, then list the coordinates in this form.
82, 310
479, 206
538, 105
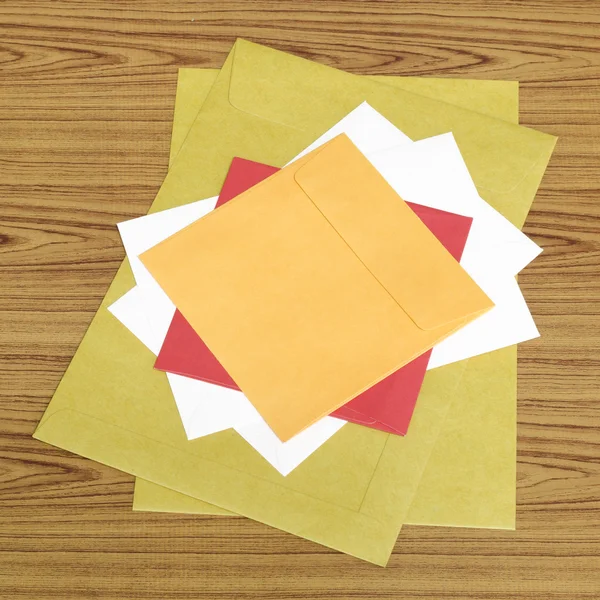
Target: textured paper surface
480, 429
314, 285
497, 99
206, 409
96, 411
432, 173
388, 405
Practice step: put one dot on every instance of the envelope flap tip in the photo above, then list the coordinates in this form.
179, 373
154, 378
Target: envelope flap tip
274, 86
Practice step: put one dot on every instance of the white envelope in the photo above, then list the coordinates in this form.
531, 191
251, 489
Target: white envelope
141, 234
433, 172
430, 172
507, 324
369, 131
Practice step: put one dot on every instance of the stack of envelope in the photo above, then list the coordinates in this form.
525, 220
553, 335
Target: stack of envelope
316, 324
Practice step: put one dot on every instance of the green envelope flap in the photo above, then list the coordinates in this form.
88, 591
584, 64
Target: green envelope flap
256, 135
358, 511
499, 160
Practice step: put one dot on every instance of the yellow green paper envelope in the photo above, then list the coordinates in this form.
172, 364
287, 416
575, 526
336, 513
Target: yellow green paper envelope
499, 99
96, 411
473, 463
314, 285
506, 160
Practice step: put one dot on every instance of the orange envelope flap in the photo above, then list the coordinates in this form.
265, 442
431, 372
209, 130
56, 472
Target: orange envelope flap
314, 285
387, 236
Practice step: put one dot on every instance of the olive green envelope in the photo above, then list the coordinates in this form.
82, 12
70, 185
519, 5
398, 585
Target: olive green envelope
473, 462
353, 494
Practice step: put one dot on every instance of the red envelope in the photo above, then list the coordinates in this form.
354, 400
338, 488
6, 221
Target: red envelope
389, 404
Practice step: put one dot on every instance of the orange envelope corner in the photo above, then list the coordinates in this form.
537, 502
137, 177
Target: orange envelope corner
314, 285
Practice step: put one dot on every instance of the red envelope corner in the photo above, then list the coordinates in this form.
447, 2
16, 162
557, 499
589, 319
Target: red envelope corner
389, 404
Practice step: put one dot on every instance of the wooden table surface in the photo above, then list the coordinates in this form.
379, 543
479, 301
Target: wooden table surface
86, 102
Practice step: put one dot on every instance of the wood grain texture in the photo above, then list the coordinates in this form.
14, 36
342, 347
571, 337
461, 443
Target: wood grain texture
86, 100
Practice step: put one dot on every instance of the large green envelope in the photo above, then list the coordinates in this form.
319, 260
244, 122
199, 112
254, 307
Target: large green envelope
353, 494
473, 463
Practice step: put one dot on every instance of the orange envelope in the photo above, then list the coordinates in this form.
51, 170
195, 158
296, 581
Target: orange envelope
314, 285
